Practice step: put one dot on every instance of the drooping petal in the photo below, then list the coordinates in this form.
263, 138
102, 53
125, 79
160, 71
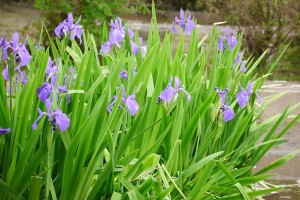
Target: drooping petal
44, 91
228, 113
124, 74
5, 130
41, 114
134, 47
167, 94
62, 89
242, 98
109, 107
189, 26
5, 73
232, 41
15, 41
132, 105
116, 36
242, 66
58, 30
105, 48
221, 46
249, 87
61, 119
24, 55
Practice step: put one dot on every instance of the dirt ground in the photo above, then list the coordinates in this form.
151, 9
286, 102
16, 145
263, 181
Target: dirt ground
21, 17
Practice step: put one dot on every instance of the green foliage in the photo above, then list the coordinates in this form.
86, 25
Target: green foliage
181, 150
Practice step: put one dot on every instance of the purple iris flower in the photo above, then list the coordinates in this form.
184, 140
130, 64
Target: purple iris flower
67, 26
169, 93
3, 42
5, 130
60, 119
244, 96
134, 47
143, 48
62, 89
124, 74
41, 114
109, 108
228, 112
22, 75
5, 73
222, 94
22, 56
52, 70
117, 32
242, 63
230, 39
221, 45
130, 102
187, 24
44, 91
242, 66
105, 48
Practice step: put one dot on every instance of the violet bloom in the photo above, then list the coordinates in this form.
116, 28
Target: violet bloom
117, 32
222, 94
228, 112
244, 96
5, 73
5, 130
22, 56
22, 75
3, 42
62, 89
60, 119
242, 63
130, 102
231, 40
242, 66
134, 47
57, 118
169, 93
185, 23
52, 71
124, 74
221, 46
44, 91
41, 114
67, 26
143, 48
105, 48
109, 108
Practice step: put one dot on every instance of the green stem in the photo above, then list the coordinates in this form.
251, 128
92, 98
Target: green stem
49, 159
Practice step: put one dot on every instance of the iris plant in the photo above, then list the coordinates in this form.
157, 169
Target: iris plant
67, 26
129, 102
228, 112
20, 55
117, 35
169, 93
5, 130
184, 22
230, 40
244, 95
242, 63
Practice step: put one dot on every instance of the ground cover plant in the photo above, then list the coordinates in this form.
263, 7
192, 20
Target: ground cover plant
129, 121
